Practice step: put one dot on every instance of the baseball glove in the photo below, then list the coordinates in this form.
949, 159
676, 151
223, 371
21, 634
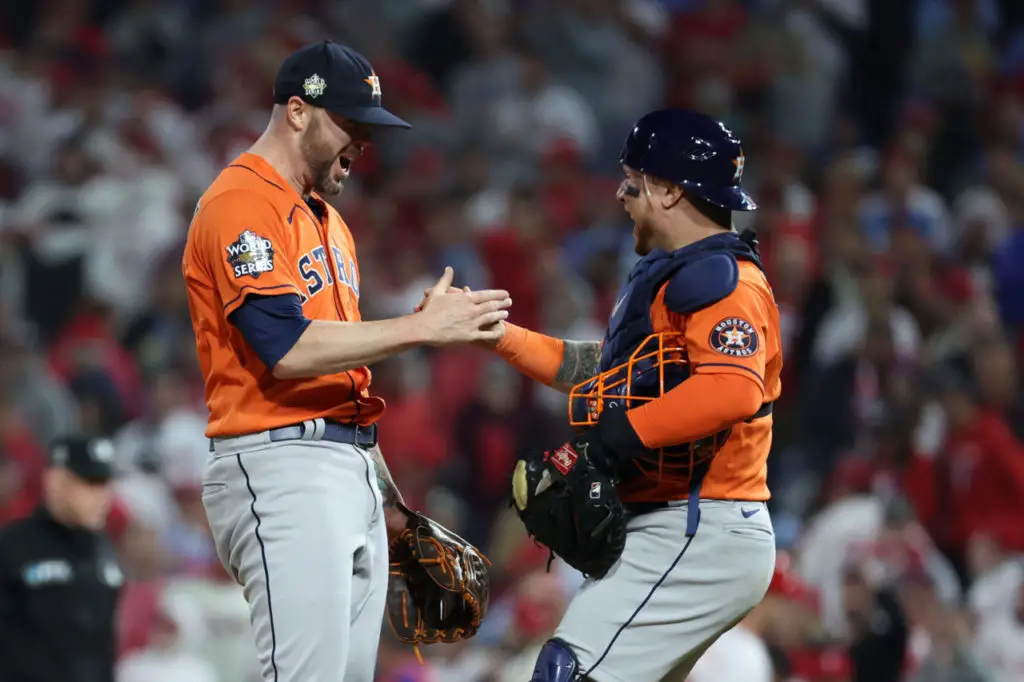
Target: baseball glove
569, 503
438, 584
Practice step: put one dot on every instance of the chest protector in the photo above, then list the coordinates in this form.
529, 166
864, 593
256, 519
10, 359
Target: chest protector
638, 364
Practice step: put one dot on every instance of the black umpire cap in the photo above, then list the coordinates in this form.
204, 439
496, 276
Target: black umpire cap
336, 78
91, 459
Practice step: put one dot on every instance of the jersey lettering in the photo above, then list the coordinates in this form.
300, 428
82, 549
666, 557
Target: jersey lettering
314, 280
321, 255
353, 276
319, 276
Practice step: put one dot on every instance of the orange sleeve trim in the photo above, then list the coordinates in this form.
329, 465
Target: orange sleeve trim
700, 406
718, 369
536, 355
275, 290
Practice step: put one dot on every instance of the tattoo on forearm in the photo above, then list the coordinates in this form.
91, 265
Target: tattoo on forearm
388, 489
580, 361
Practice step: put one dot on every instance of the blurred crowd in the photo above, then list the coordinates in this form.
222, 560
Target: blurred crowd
884, 143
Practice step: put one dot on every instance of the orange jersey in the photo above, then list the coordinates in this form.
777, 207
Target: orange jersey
739, 335
252, 233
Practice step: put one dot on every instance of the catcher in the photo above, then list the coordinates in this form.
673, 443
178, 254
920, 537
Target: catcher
660, 497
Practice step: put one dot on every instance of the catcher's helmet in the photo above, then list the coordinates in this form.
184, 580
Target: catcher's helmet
691, 150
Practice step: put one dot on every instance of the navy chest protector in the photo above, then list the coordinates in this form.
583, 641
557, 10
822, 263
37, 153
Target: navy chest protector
698, 275
638, 365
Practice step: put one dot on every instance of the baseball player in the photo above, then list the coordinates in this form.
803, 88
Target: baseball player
295, 485
698, 548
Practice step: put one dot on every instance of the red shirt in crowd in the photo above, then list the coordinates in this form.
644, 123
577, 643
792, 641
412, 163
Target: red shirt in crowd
977, 486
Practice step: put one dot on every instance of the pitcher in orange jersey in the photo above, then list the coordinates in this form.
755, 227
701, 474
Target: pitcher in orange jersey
296, 485
685, 429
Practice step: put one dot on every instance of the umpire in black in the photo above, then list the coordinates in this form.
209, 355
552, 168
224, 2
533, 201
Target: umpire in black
59, 576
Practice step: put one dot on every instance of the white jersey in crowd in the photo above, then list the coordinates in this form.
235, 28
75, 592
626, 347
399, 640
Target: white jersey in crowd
999, 642
227, 641
739, 655
165, 666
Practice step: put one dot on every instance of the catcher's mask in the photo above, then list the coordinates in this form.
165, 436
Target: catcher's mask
658, 365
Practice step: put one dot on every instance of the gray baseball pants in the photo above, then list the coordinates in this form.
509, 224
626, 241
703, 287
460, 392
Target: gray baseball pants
299, 524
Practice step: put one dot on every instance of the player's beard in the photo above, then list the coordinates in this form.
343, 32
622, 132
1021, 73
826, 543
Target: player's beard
320, 162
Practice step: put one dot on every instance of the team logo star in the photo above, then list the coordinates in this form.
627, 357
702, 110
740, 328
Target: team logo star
734, 337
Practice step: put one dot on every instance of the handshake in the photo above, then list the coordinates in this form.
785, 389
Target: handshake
452, 316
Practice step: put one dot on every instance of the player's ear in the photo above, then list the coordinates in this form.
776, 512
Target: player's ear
666, 193
673, 195
297, 113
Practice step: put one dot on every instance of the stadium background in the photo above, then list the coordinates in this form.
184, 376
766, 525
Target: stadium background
884, 143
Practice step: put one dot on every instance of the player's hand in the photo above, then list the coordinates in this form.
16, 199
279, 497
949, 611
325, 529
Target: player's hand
461, 316
427, 292
395, 522
498, 327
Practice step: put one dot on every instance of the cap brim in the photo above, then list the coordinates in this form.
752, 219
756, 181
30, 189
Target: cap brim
375, 116
93, 474
731, 197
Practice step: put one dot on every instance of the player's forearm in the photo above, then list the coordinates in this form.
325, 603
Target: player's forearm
581, 360
328, 347
559, 363
388, 489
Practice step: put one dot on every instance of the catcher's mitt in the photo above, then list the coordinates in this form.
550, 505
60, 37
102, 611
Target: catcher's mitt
438, 584
569, 504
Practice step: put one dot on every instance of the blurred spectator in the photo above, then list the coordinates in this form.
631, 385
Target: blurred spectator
1000, 636
877, 626
949, 655
220, 632
46, 404
977, 477
490, 432
168, 438
165, 657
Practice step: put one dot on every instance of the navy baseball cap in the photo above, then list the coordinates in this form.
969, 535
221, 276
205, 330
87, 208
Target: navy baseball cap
336, 78
91, 459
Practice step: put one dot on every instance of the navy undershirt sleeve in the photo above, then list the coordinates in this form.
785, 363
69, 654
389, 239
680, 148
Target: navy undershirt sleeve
271, 325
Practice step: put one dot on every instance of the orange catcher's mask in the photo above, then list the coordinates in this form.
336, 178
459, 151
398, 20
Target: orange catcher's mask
658, 365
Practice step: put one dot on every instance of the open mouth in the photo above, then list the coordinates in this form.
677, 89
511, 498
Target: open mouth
346, 164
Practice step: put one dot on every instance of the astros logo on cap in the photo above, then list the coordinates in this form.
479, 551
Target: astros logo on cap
374, 83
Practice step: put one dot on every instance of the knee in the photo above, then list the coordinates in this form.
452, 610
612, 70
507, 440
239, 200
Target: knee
557, 663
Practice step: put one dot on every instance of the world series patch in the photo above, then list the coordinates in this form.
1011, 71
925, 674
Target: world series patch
734, 337
251, 255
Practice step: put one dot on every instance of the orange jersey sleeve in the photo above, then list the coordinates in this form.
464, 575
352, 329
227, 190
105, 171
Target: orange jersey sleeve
734, 336
536, 355
244, 248
698, 407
